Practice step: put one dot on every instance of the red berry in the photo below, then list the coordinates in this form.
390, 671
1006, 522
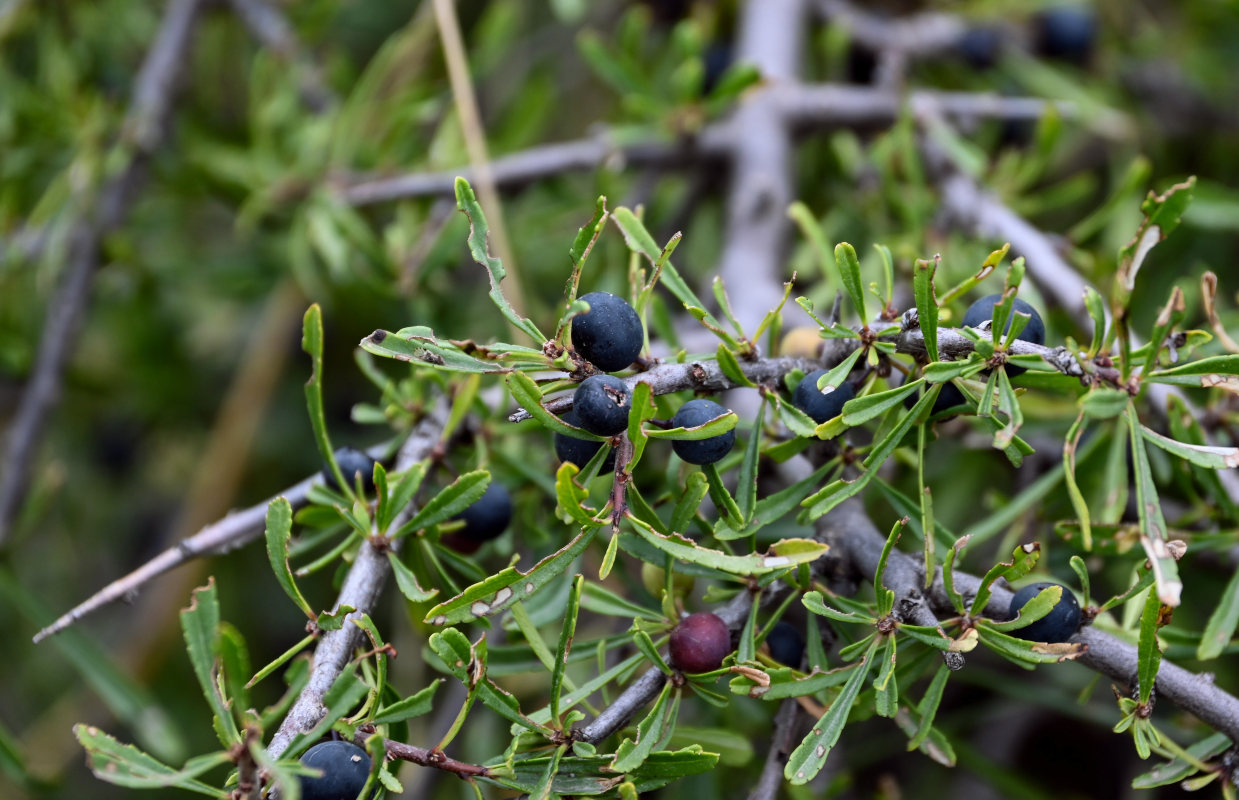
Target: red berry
700, 643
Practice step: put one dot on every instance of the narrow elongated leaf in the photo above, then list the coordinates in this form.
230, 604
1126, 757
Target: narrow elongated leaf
927, 709
455, 498
407, 581
419, 345
510, 585
1152, 525
600, 600
781, 555
631, 754
1023, 559
1219, 371
926, 304
862, 409
279, 529
640, 241
1149, 650
1222, 622
810, 755
312, 344
781, 683
479, 234
714, 427
200, 625
126, 765
1200, 455
746, 487
566, 634
849, 272
415, 705
1027, 653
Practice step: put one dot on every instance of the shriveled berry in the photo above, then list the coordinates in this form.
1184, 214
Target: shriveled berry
345, 768
701, 451
786, 643
609, 335
489, 516
602, 403
821, 407
700, 643
983, 310
580, 451
351, 461
1057, 626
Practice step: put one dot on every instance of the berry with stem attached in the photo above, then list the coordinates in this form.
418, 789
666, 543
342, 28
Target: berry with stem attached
983, 310
609, 335
345, 768
700, 643
701, 451
1057, 626
602, 403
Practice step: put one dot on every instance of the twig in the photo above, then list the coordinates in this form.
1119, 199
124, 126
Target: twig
803, 106
923, 34
433, 758
771, 779
269, 26
235, 530
361, 591
1107, 654
141, 133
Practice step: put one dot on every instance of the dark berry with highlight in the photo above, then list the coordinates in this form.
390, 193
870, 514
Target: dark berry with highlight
1057, 626
602, 403
700, 643
609, 335
701, 451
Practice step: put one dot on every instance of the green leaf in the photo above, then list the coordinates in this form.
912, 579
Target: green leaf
631, 754
730, 366
526, 393
1149, 651
1023, 559
781, 555
714, 427
1200, 455
927, 304
641, 242
1222, 622
279, 529
1023, 652
927, 709
479, 234
200, 625
862, 409
814, 602
810, 755
1161, 216
782, 683
943, 371
600, 600
1178, 768
415, 705
312, 344
1036, 608
746, 486
591, 775
695, 489
455, 498
407, 581
643, 408
126, 765
886, 686
837, 491
886, 597
510, 585
570, 497
419, 345
849, 273
1104, 403
566, 634
729, 510
1153, 536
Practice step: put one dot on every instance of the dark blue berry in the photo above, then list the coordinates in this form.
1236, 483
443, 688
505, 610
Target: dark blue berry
1056, 626
489, 516
1067, 32
786, 643
345, 768
701, 451
700, 643
983, 310
981, 46
609, 335
351, 461
821, 407
580, 451
602, 403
